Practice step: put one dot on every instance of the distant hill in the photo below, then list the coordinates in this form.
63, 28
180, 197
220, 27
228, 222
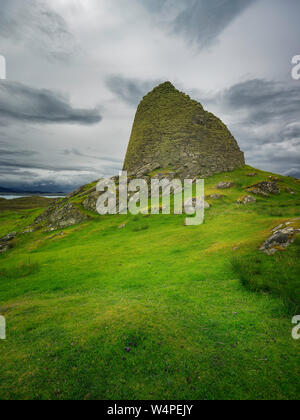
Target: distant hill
4, 190
25, 203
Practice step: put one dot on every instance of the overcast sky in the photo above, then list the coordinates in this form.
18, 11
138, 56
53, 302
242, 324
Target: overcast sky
76, 70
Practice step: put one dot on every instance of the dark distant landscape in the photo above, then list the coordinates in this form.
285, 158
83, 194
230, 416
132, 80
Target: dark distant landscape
4, 190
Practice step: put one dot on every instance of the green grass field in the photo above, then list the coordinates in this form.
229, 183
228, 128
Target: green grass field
155, 310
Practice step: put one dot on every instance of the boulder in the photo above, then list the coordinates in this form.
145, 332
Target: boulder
91, 201
88, 192
282, 236
61, 215
264, 188
257, 191
225, 185
68, 215
246, 200
215, 196
146, 169
5, 242
289, 190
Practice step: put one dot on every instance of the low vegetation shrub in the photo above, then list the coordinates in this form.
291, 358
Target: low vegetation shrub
278, 274
20, 270
141, 227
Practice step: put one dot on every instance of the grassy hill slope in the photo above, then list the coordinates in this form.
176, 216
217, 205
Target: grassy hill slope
155, 310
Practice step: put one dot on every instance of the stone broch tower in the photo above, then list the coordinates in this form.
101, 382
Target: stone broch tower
172, 131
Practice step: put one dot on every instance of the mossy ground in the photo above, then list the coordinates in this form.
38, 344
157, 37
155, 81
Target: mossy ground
168, 292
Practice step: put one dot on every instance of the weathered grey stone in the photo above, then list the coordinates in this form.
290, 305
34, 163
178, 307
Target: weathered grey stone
68, 215
9, 237
289, 190
281, 238
215, 196
264, 188
6, 240
246, 200
257, 191
28, 230
91, 201
225, 185
60, 215
90, 191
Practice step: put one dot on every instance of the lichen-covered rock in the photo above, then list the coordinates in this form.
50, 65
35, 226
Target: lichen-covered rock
289, 190
225, 185
265, 188
90, 191
60, 215
215, 196
5, 242
246, 200
91, 201
258, 191
173, 131
145, 170
68, 215
282, 236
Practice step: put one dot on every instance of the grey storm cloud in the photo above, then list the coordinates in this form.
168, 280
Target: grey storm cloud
35, 24
113, 53
265, 100
129, 90
266, 122
265, 113
5, 152
76, 152
293, 172
27, 104
43, 166
200, 21
203, 21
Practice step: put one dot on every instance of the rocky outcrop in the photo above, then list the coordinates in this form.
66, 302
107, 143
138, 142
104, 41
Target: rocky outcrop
215, 196
282, 236
61, 215
152, 166
7, 242
290, 191
90, 202
173, 131
225, 185
246, 200
265, 188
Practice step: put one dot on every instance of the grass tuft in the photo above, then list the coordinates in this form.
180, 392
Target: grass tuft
278, 274
20, 270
